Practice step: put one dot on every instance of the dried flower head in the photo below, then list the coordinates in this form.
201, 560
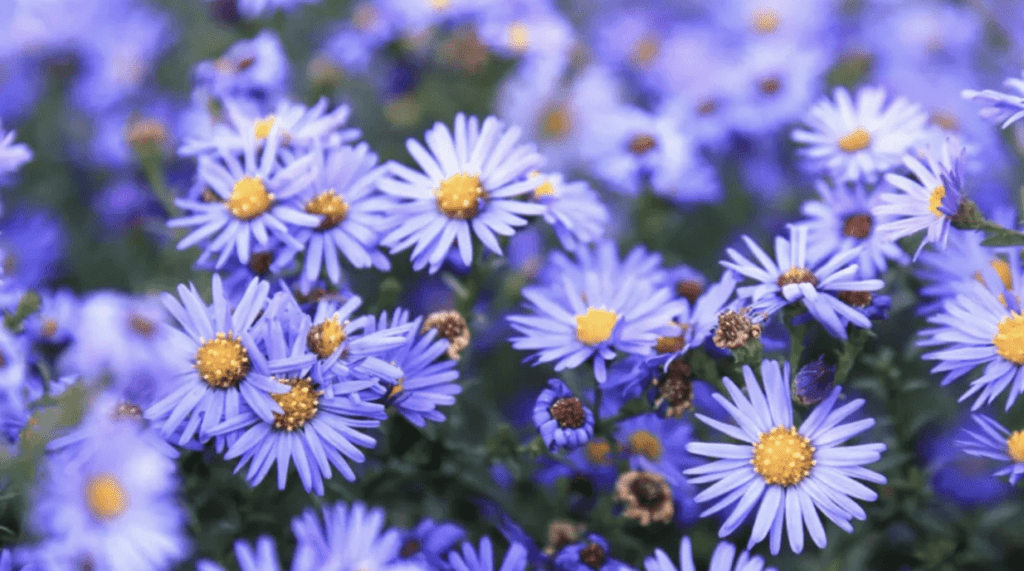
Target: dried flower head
452, 326
648, 497
675, 388
735, 329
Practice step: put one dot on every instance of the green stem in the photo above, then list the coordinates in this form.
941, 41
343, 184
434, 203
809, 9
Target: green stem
154, 170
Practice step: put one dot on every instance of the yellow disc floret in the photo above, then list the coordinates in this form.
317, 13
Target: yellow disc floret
222, 362
1015, 446
249, 198
299, 404
599, 452
555, 122
935, 200
1003, 270
783, 457
765, 21
644, 443
1009, 340
263, 126
325, 337
595, 326
519, 36
797, 275
106, 497
857, 140
459, 196
332, 207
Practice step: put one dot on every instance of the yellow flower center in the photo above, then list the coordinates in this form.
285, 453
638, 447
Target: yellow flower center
797, 276
1015, 446
765, 21
935, 200
645, 444
106, 497
519, 36
222, 362
325, 337
945, 120
599, 452
439, 4
555, 122
299, 404
545, 189
249, 198
459, 196
332, 207
1009, 340
645, 50
1003, 269
397, 389
263, 126
640, 144
49, 327
783, 456
146, 132
595, 326
858, 140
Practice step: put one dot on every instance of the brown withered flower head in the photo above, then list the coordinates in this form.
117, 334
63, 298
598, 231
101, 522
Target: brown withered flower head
647, 497
452, 326
735, 329
561, 533
675, 388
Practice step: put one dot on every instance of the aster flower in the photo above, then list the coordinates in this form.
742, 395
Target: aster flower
255, 69
860, 137
430, 542
593, 307
788, 473
109, 413
252, 199
110, 501
723, 559
844, 218
12, 155
926, 202
262, 557
996, 442
697, 319
482, 558
980, 327
1000, 107
561, 418
574, 210
826, 287
343, 196
57, 317
347, 538
813, 381
469, 185
312, 431
590, 553
647, 497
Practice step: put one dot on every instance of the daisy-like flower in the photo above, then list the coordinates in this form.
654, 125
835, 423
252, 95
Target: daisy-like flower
561, 418
343, 195
482, 558
220, 368
594, 307
843, 219
468, 187
427, 381
262, 557
1000, 107
926, 202
723, 559
12, 155
857, 138
590, 553
996, 442
251, 199
347, 538
697, 319
981, 327
828, 288
788, 473
574, 210
430, 543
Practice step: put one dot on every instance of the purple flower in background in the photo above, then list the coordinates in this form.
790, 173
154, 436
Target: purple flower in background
562, 419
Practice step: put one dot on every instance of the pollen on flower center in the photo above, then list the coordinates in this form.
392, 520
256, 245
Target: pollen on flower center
568, 412
645, 50
783, 456
299, 404
545, 189
796, 275
519, 36
106, 497
1003, 270
142, 326
325, 337
770, 85
644, 443
595, 326
555, 122
397, 388
263, 126
222, 362
1015, 446
935, 200
765, 20
459, 196
858, 225
249, 198
1009, 340
640, 144
599, 452
332, 207
857, 140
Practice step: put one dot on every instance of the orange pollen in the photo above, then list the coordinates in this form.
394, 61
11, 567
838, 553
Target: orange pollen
459, 196
857, 140
249, 199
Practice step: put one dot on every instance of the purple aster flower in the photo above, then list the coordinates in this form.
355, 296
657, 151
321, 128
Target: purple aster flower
574, 210
110, 501
429, 543
469, 186
255, 69
790, 474
33, 243
591, 553
1000, 107
723, 559
697, 319
262, 557
123, 205
979, 327
828, 288
109, 413
813, 382
347, 538
482, 558
594, 307
926, 202
843, 218
561, 418
860, 137
250, 200
57, 318
997, 443
12, 155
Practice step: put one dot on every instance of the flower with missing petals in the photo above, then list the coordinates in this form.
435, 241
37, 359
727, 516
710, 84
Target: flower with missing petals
1000, 107
562, 419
